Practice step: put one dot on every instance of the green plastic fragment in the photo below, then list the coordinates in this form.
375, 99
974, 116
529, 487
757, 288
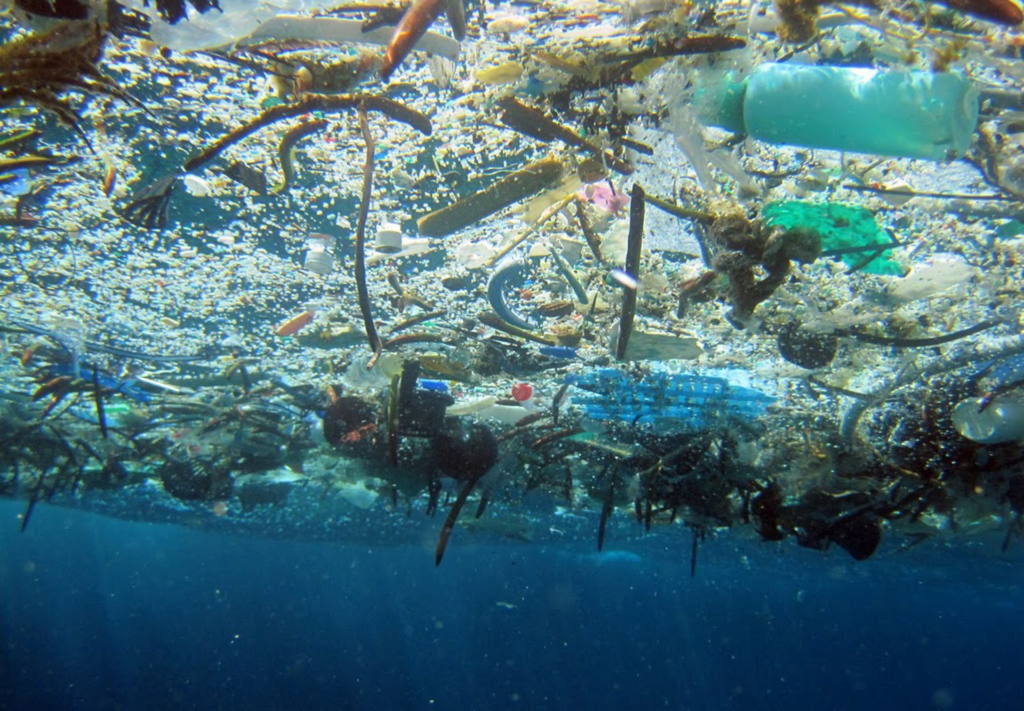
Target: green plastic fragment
840, 227
1010, 229
270, 101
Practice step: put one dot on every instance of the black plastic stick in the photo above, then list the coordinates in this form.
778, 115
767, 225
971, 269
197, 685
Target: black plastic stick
633, 247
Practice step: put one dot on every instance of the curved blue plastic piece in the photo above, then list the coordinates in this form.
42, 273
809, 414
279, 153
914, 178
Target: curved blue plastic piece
506, 272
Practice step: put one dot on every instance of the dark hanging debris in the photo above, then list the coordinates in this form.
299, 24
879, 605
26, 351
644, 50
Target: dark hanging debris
699, 532
97, 394
250, 177
606, 511
464, 450
633, 251
765, 509
362, 289
149, 205
420, 413
449, 522
346, 419
192, 479
858, 536
804, 348
455, 11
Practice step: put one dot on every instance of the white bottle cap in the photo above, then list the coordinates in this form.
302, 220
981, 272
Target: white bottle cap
389, 238
319, 261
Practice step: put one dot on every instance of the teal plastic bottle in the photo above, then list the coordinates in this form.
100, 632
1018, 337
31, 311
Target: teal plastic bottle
909, 114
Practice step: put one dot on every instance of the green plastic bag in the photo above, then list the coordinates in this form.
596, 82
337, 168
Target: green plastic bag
841, 227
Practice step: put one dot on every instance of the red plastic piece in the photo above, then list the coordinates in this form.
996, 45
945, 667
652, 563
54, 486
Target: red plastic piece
521, 392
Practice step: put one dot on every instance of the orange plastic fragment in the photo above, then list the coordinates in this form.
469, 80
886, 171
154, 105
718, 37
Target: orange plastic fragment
296, 323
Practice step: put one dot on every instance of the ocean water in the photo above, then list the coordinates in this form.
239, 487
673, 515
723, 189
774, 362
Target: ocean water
596, 355
104, 614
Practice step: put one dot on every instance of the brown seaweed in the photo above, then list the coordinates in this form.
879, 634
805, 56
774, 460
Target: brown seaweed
360, 262
37, 68
533, 123
150, 204
287, 146
512, 188
1003, 12
739, 249
491, 319
413, 25
309, 103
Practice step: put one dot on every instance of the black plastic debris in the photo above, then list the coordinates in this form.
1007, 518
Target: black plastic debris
465, 450
808, 350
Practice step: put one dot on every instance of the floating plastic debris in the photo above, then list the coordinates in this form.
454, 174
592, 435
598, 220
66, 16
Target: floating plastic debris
848, 230
890, 113
695, 401
995, 422
521, 392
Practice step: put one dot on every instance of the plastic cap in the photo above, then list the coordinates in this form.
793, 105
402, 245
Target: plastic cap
389, 238
319, 261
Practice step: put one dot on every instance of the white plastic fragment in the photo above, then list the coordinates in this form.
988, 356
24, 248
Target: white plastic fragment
474, 255
930, 277
332, 29
196, 186
357, 494
470, 407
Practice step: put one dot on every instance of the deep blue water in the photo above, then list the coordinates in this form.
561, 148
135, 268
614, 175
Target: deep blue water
102, 614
